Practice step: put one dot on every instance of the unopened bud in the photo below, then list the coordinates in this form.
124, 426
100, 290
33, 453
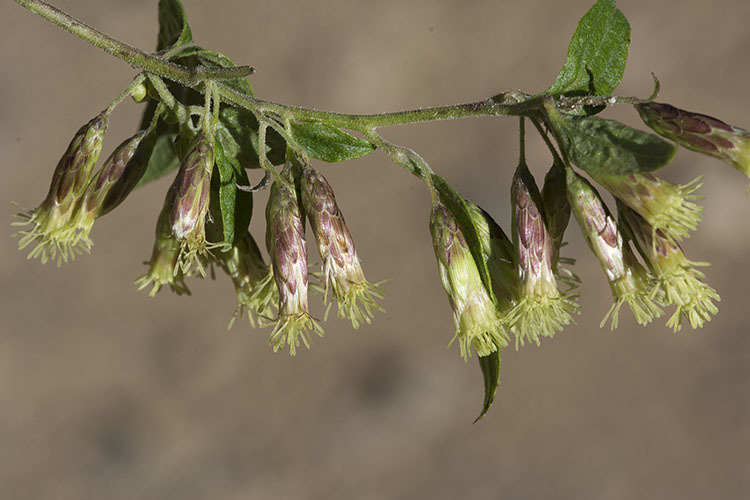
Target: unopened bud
475, 318
285, 239
55, 233
679, 284
342, 270
702, 133
628, 280
541, 309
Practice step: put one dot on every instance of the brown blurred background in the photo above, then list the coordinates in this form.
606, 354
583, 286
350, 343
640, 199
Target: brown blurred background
105, 393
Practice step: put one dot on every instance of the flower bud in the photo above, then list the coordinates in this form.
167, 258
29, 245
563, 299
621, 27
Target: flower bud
190, 204
665, 206
163, 266
498, 253
678, 282
557, 216
628, 280
541, 309
285, 239
342, 270
701, 133
55, 234
476, 320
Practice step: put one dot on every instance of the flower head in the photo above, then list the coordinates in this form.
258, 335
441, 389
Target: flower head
629, 281
701, 133
557, 216
475, 317
678, 282
541, 309
667, 207
252, 278
285, 239
342, 270
190, 204
163, 268
56, 233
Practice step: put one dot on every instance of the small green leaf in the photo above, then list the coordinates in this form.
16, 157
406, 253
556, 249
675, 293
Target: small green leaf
173, 25
597, 53
490, 366
235, 205
457, 205
601, 146
328, 143
163, 160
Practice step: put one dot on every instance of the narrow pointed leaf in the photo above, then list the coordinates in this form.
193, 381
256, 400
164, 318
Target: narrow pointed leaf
490, 366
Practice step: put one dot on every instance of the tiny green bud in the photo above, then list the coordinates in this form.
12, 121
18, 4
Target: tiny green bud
342, 270
475, 317
541, 309
628, 280
665, 206
139, 92
190, 204
55, 233
285, 239
163, 265
678, 282
702, 133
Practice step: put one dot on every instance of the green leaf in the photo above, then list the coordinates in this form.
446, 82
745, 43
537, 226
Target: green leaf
490, 366
597, 53
601, 146
457, 206
173, 25
163, 160
238, 129
235, 205
328, 143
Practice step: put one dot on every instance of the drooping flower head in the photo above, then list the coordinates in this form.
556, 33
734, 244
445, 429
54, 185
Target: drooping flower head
541, 309
252, 278
113, 182
557, 217
285, 239
629, 281
667, 207
163, 268
476, 320
55, 234
679, 283
702, 133
342, 270
190, 204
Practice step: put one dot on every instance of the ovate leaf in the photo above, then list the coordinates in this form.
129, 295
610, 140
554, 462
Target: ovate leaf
163, 159
490, 366
328, 143
173, 25
597, 53
601, 146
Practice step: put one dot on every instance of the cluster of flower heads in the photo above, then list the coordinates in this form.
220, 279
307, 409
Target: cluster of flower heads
189, 236
638, 249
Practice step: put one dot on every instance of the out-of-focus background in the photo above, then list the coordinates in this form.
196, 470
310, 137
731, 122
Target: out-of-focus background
105, 393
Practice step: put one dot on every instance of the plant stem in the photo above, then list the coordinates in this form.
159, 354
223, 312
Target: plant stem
513, 103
